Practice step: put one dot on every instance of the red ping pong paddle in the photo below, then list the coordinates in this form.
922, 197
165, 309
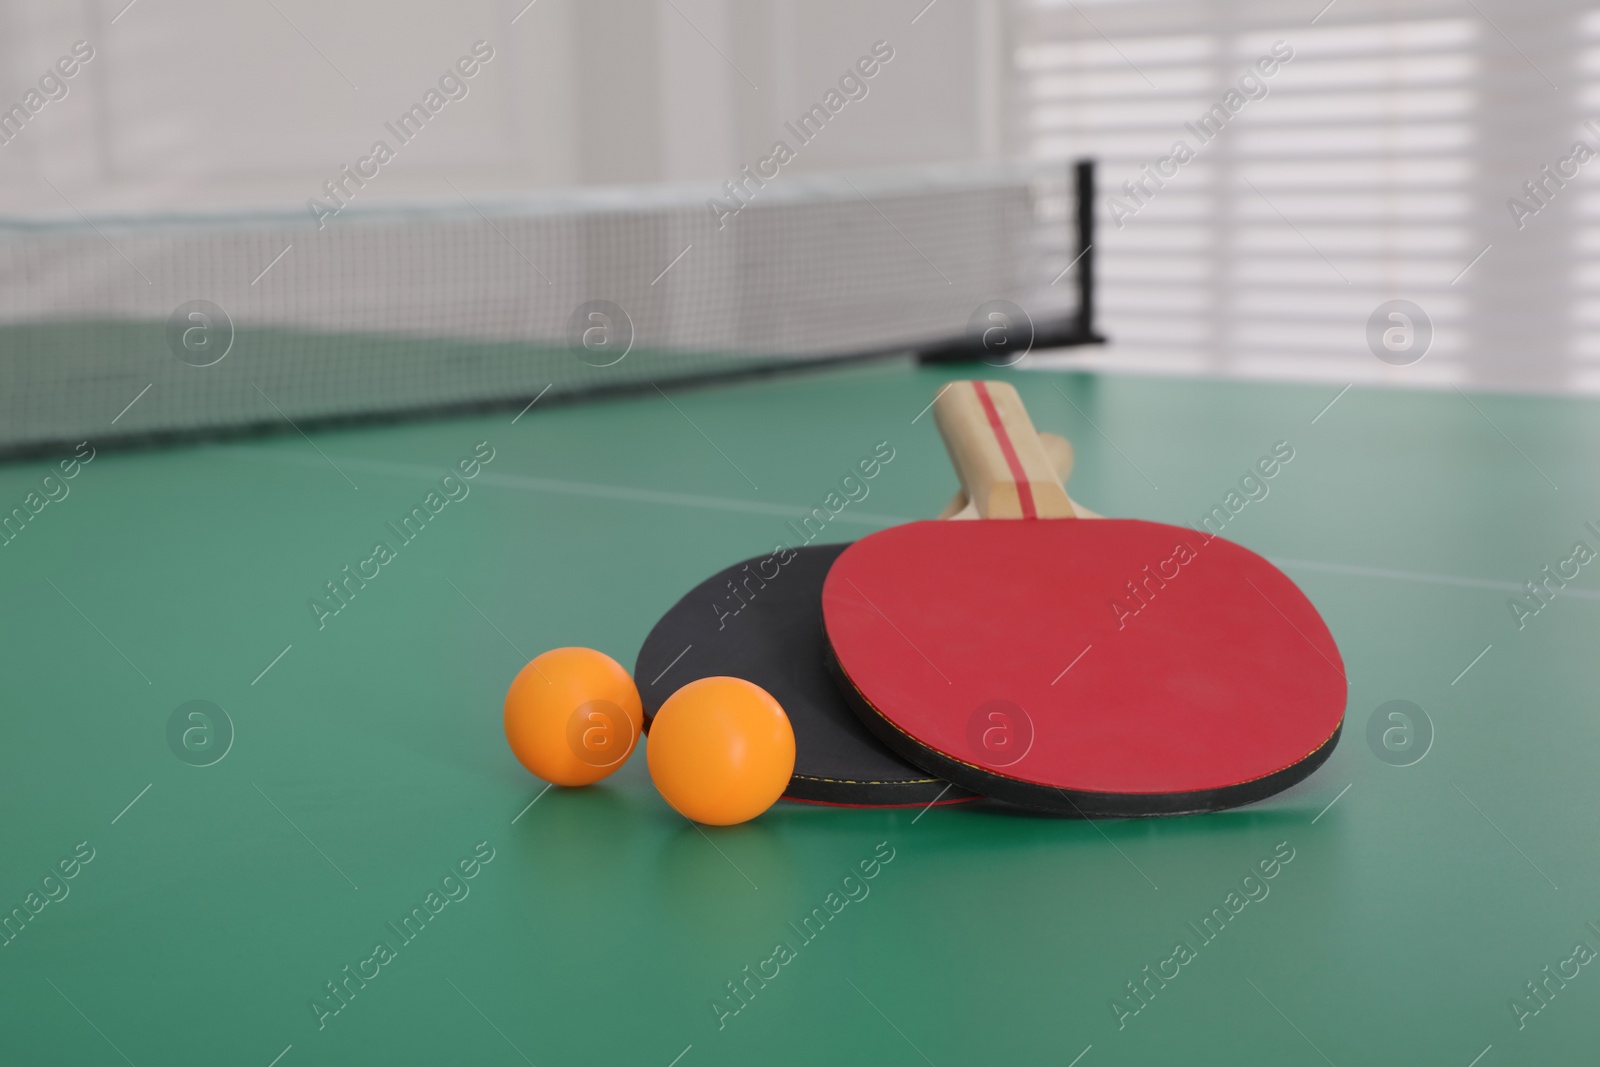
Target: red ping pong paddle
1108, 668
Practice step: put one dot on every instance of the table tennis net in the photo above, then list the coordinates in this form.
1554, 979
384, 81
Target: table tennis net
132, 329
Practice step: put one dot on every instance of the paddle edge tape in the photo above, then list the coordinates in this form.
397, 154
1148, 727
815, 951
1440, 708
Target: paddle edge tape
955, 795
846, 793
1081, 803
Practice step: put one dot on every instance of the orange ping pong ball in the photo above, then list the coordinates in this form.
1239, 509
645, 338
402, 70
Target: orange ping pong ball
573, 715
721, 750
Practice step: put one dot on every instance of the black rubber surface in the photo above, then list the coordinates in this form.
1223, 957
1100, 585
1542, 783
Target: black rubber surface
766, 627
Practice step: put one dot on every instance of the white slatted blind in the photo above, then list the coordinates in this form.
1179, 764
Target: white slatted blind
1584, 314
1376, 165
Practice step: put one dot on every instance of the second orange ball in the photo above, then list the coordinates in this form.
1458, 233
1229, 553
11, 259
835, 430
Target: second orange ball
721, 750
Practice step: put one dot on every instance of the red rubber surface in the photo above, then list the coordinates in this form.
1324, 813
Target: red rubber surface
1226, 675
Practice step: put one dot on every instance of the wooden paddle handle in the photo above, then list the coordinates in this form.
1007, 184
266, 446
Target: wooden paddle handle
1059, 449
997, 454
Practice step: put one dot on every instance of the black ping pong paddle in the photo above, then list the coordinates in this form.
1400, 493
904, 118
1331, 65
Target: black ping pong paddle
776, 641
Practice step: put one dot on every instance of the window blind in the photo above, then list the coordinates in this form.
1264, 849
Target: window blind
1373, 161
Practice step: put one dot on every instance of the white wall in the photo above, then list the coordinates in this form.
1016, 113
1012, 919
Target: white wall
190, 103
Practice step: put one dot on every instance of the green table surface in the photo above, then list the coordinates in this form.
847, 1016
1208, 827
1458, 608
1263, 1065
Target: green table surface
367, 759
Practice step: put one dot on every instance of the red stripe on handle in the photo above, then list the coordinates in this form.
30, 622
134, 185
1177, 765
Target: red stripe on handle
1024, 488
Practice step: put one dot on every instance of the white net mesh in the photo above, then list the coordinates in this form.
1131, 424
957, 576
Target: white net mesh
224, 323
